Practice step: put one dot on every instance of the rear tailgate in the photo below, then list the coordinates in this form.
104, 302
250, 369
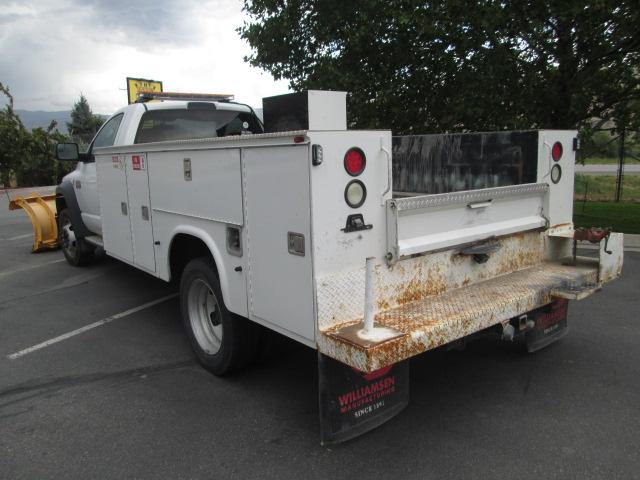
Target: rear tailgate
428, 223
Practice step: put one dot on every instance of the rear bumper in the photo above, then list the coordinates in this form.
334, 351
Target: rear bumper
422, 325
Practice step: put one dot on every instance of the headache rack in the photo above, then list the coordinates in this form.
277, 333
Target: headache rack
147, 96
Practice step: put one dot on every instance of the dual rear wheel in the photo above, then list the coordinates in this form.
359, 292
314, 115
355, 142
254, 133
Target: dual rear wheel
222, 341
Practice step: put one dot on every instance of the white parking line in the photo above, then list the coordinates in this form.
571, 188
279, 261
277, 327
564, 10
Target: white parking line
30, 267
78, 331
18, 237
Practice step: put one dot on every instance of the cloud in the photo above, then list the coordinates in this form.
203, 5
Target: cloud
53, 51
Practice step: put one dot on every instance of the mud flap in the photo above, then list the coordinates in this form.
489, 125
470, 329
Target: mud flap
550, 325
353, 402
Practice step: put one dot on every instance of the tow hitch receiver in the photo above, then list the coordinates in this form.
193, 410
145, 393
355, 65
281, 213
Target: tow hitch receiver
353, 402
591, 235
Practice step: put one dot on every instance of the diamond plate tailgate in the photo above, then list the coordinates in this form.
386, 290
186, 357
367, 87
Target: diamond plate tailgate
437, 320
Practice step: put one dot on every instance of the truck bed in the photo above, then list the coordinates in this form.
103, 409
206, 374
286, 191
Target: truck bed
440, 319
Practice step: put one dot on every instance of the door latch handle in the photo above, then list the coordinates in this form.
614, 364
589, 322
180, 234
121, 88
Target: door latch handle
295, 243
476, 205
123, 208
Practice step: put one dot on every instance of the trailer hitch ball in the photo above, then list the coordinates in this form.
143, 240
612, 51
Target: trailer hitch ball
525, 323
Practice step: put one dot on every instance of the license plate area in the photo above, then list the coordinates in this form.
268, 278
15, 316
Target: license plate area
550, 325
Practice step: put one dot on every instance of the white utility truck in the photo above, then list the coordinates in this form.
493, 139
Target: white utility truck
369, 249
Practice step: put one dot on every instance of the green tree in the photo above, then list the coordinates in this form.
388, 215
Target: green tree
84, 124
13, 139
28, 158
456, 65
38, 165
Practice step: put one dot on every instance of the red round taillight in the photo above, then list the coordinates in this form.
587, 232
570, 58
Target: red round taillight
556, 151
354, 161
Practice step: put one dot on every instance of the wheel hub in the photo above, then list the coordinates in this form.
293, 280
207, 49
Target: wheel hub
205, 316
68, 238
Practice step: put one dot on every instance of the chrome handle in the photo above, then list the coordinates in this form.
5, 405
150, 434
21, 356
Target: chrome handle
388, 154
479, 204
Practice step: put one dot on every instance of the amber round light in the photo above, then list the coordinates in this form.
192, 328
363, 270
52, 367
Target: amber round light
354, 162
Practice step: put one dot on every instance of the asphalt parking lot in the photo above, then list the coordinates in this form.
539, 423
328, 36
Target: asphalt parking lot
127, 400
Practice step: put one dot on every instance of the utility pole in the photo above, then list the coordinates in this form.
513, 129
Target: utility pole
620, 166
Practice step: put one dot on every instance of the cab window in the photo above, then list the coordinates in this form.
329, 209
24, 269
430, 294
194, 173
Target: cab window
194, 123
107, 134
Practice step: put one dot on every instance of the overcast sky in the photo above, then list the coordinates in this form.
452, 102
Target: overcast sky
51, 51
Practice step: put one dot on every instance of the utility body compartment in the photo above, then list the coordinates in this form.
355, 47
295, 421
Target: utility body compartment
443, 261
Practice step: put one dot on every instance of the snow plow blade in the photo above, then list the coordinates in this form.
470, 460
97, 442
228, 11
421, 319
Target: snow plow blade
41, 210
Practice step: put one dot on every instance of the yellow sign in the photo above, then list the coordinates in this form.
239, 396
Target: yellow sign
137, 85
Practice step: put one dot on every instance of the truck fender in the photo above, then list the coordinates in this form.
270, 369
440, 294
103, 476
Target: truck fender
213, 249
65, 194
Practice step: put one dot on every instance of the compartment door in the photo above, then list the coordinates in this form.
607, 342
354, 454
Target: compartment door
140, 206
278, 238
114, 206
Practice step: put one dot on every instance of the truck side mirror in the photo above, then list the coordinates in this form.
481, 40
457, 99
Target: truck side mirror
67, 152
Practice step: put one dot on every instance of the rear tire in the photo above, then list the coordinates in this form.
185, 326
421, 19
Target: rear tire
222, 341
75, 249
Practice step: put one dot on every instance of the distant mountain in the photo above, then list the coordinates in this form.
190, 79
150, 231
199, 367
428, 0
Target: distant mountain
42, 119
35, 119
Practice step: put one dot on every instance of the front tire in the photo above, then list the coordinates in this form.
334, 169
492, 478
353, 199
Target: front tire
223, 342
75, 249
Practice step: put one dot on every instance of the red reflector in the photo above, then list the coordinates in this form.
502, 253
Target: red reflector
556, 151
298, 139
354, 162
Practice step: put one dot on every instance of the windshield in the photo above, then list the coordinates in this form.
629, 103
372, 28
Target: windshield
189, 124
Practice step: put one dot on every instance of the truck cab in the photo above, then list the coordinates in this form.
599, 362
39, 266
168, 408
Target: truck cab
173, 118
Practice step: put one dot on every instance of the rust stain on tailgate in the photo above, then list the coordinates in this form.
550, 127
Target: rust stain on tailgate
340, 296
440, 319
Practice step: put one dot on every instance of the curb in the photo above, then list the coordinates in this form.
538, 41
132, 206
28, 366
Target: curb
631, 241
15, 189
11, 193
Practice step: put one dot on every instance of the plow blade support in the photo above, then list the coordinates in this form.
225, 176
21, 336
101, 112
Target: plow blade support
41, 210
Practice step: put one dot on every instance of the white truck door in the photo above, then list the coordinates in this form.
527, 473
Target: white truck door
114, 206
86, 185
278, 219
140, 211
86, 188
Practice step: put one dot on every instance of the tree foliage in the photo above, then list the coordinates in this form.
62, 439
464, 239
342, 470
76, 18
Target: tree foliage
27, 157
84, 124
12, 138
457, 65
